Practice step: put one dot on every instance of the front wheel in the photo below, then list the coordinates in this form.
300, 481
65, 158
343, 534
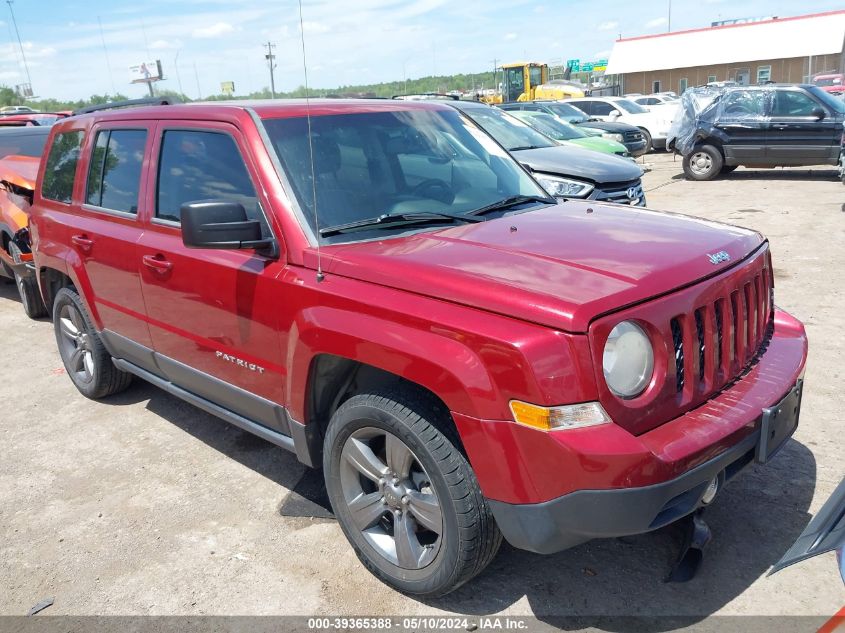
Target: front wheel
647, 138
404, 495
703, 163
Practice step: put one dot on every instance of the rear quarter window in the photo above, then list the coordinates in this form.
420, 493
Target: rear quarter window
60, 170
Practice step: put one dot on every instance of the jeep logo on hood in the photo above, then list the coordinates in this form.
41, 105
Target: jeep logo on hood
718, 258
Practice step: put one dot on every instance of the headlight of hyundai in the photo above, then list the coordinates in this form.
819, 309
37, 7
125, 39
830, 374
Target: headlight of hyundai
564, 187
613, 137
628, 360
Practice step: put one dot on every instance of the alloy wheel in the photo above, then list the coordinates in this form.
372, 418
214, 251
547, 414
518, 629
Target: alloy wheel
75, 345
390, 498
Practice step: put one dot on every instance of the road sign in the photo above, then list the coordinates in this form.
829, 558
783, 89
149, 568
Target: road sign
574, 64
586, 67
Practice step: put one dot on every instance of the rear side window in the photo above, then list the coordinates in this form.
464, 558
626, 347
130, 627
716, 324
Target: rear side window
114, 173
61, 167
199, 165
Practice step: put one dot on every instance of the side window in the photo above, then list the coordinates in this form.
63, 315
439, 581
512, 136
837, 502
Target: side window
198, 165
600, 108
585, 106
60, 170
793, 103
114, 173
744, 103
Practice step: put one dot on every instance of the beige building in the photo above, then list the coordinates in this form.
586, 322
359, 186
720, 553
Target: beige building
790, 50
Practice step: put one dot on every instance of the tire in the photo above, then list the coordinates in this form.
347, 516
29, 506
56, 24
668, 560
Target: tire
85, 358
435, 488
647, 137
33, 304
703, 163
726, 169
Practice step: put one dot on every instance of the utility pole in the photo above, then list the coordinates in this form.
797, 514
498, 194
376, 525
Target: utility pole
270, 57
197, 77
176, 69
106, 51
495, 73
20, 44
669, 19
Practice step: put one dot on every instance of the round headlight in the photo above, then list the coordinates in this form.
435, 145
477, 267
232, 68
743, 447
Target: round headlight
628, 360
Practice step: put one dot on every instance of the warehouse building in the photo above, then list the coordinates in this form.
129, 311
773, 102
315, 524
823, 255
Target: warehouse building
790, 50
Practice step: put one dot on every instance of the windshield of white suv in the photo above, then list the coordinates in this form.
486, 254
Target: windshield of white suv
551, 126
837, 105
629, 106
567, 112
432, 165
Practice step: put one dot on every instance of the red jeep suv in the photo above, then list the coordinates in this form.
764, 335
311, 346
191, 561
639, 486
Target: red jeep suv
380, 288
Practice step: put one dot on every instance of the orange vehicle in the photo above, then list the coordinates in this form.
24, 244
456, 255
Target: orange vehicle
20, 154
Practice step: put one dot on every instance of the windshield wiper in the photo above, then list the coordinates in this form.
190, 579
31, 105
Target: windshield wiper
522, 147
388, 219
510, 201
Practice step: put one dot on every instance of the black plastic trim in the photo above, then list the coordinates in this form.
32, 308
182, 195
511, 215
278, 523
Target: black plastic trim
121, 347
583, 515
270, 435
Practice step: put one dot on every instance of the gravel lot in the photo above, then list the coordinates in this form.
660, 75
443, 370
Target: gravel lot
146, 505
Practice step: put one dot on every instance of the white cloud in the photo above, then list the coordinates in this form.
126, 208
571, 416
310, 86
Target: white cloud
315, 28
215, 30
162, 45
510, 36
655, 23
9, 74
608, 26
601, 55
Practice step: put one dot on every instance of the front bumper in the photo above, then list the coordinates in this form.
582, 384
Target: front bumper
580, 516
550, 491
635, 148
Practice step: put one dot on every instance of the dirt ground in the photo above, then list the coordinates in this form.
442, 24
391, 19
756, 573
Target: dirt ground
145, 505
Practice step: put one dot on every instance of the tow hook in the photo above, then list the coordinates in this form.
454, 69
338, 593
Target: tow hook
696, 536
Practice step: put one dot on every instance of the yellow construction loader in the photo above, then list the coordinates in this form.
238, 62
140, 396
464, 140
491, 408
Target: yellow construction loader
530, 81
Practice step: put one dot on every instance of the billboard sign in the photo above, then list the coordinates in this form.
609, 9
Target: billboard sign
227, 87
145, 72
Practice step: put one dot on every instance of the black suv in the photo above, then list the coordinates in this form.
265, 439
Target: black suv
757, 126
629, 135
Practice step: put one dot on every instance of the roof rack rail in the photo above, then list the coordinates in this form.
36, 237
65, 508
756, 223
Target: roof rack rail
128, 103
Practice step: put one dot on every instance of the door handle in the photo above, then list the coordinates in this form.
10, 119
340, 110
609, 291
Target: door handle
83, 242
157, 263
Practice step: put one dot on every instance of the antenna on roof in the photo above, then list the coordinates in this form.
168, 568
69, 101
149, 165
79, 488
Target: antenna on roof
320, 275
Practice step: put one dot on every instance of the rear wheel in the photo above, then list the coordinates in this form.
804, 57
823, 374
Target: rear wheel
405, 496
86, 360
33, 304
703, 163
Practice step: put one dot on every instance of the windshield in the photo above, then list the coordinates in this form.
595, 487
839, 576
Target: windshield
551, 126
509, 131
393, 162
629, 106
837, 105
835, 80
568, 112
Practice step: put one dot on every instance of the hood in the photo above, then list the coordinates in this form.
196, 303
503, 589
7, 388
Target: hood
562, 266
583, 164
609, 126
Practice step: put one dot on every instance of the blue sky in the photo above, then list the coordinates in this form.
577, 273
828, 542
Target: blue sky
364, 41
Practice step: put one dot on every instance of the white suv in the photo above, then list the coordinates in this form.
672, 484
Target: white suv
655, 125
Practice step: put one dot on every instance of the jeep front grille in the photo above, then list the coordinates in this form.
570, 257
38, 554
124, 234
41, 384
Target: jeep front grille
714, 343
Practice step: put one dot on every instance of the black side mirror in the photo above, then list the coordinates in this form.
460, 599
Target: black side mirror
221, 224
819, 113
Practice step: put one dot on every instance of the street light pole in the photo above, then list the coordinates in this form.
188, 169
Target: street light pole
270, 57
176, 68
20, 44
